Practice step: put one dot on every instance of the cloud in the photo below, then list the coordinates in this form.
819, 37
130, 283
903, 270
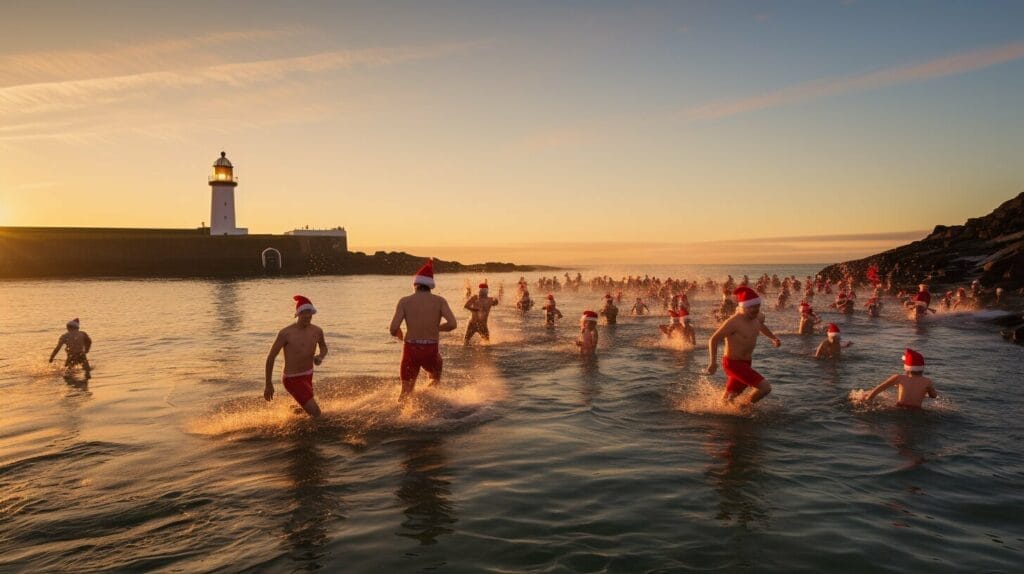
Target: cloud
941, 67
48, 96
54, 65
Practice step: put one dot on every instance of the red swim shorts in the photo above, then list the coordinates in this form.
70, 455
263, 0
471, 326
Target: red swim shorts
740, 374
420, 355
300, 386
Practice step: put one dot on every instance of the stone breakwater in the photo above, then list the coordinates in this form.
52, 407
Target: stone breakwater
50, 252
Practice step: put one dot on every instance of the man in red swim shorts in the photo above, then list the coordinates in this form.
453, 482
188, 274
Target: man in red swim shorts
740, 334
299, 341
422, 312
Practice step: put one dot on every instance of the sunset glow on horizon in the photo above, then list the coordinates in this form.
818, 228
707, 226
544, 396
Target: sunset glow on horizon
548, 133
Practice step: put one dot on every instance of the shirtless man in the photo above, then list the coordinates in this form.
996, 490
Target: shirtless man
727, 307
587, 341
299, 341
551, 311
740, 334
479, 307
913, 386
832, 346
639, 308
610, 312
78, 345
422, 312
808, 319
679, 326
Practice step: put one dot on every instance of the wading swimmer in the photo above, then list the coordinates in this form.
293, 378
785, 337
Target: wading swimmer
639, 308
479, 307
78, 344
587, 341
551, 311
740, 334
808, 318
610, 312
913, 386
299, 341
832, 346
422, 312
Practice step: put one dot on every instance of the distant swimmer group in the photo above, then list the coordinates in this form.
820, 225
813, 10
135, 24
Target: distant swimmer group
421, 317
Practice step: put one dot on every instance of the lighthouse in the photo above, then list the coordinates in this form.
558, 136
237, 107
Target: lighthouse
222, 204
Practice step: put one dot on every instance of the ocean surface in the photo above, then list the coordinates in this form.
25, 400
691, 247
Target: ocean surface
527, 459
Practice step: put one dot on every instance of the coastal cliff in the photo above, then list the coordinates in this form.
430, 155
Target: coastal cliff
48, 252
989, 248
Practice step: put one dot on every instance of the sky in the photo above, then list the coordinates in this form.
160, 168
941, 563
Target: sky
538, 132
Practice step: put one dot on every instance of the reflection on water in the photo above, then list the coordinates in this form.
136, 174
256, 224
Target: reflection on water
227, 309
425, 491
735, 444
590, 388
314, 503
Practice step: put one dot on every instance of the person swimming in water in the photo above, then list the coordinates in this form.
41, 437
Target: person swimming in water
727, 307
78, 345
912, 386
639, 308
832, 346
679, 326
740, 335
551, 312
479, 306
873, 306
920, 304
587, 341
610, 312
808, 319
299, 341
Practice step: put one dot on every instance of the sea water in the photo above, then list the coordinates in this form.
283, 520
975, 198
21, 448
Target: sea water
527, 458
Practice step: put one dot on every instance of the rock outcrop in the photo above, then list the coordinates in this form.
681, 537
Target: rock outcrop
989, 248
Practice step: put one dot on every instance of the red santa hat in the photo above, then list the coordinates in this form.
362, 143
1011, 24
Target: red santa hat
842, 295
589, 316
483, 287
303, 305
913, 361
833, 331
684, 315
746, 297
551, 297
674, 315
73, 324
425, 276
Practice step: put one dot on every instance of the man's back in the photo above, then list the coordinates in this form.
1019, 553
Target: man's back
912, 390
422, 312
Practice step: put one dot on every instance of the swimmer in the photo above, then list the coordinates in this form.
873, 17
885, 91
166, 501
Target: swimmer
727, 307
679, 326
639, 308
479, 307
913, 385
831, 347
808, 319
873, 306
610, 312
524, 303
740, 334
587, 341
78, 345
920, 303
299, 341
422, 312
551, 312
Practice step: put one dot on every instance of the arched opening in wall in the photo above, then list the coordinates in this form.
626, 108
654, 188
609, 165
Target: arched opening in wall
272, 260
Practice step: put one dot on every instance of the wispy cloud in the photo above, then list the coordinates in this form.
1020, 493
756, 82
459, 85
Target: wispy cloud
948, 66
41, 97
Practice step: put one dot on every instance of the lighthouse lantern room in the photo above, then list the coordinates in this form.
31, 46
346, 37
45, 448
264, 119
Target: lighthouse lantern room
222, 205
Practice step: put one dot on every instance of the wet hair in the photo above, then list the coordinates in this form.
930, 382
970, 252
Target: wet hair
421, 287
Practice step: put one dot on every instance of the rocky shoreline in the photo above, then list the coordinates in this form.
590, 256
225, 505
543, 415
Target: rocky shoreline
988, 249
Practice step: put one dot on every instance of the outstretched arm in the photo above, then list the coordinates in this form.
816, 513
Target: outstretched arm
396, 321
279, 343
60, 343
449, 318
885, 385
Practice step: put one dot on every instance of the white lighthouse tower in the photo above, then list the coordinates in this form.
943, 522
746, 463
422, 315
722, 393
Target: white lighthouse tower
222, 205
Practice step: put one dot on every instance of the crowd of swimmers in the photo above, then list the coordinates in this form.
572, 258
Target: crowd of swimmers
425, 315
